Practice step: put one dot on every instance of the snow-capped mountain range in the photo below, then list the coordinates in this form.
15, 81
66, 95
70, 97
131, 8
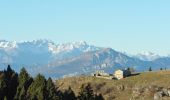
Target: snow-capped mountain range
57, 60
41, 49
81, 46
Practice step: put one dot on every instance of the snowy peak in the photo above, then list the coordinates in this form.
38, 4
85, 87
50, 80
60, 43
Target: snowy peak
81, 46
54, 48
40, 42
147, 56
8, 45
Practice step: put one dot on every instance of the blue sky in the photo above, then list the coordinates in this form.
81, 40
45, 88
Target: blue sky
125, 25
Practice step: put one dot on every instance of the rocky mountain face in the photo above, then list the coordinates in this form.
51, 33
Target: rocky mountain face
104, 59
69, 59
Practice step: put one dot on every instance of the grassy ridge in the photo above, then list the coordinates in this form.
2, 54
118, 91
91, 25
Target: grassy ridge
119, 89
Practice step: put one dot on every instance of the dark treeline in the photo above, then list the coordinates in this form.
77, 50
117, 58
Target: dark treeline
22, 86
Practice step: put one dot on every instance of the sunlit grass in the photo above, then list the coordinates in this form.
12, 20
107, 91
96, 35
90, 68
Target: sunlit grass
120, 89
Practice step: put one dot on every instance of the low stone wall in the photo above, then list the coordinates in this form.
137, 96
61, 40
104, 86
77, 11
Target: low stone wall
106, 77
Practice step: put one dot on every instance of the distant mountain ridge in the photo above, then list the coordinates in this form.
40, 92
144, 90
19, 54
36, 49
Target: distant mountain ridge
69, 59
43, 49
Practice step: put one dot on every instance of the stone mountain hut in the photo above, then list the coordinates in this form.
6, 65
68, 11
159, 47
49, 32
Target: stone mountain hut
119, 74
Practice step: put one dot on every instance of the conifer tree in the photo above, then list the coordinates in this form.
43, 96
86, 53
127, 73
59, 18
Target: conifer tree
161, 69
24, 82
3, 86
86, 93
37, 89
69, 94
11, 82
50, 90
150, 69
60, 94
23, 87
128, 69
